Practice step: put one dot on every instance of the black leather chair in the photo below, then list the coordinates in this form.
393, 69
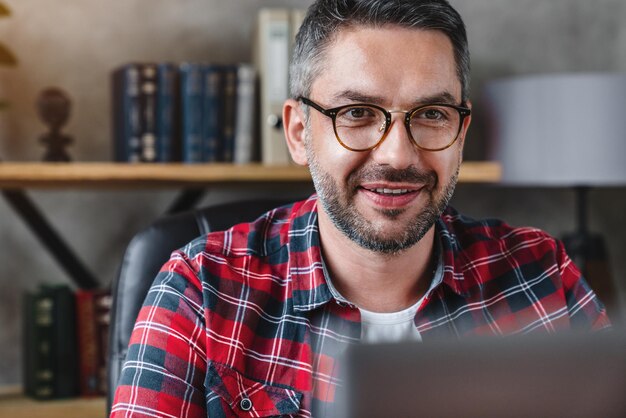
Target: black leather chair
144, 256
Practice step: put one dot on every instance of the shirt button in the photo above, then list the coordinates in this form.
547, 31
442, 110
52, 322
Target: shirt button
245, 404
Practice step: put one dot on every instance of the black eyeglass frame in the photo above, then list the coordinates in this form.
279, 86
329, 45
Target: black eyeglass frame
408, 114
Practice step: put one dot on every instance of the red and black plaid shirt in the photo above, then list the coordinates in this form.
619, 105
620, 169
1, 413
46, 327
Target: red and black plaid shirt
242, 322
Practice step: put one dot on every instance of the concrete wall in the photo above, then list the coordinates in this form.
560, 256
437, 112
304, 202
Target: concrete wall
74, 44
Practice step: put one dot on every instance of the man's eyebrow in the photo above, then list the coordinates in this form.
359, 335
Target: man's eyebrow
354, 96
357, 97
444, 97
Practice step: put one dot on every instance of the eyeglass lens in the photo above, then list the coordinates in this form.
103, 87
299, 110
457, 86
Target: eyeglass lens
362, 127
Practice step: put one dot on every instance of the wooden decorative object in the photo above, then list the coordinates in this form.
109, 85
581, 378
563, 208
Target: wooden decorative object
54, 108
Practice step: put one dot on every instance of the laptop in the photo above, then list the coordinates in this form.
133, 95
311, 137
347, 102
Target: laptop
550, 376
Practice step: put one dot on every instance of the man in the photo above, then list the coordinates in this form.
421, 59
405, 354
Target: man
251, 321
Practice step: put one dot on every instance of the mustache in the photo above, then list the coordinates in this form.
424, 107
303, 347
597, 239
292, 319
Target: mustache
384, 173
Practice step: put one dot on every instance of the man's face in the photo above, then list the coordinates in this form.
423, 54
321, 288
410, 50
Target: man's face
385, 199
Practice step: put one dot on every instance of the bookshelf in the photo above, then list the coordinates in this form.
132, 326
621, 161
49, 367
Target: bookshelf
98, 175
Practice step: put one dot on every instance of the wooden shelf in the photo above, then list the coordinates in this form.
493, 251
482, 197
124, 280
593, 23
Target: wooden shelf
14, 404
123, 176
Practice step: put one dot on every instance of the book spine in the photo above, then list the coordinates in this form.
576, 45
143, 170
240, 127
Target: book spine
50, 343
148, 106
87, 341
229, 109
36, 385
65, 351
126, 114
272, 60
191, 105
212, 113
167, 130
28, 341
44, 381
102, 304
245, 145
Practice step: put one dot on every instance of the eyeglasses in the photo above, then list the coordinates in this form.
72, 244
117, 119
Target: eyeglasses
362, 126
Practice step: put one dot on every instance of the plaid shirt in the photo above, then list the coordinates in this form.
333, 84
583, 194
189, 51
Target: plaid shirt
242, 322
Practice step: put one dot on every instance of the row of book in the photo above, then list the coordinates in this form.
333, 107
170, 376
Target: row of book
189, 112
65, 342
194, 113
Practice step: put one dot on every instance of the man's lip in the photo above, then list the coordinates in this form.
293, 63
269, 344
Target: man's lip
397, 195
409, 187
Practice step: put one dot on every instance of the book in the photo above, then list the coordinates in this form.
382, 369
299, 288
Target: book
92, 324
87, 343
191, 89
103, 303
167, 121
245, 146
126, 113
50, 367
212, 111
147, 111
272, 51
33, 384
229, 112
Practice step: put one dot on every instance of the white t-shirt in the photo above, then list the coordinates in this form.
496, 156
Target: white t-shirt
385, 327
395, 326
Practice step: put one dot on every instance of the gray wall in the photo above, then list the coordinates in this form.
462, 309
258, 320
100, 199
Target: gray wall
74, 44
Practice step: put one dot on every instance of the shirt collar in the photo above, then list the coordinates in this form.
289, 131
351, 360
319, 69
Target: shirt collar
305, 265
307, 273
452, 253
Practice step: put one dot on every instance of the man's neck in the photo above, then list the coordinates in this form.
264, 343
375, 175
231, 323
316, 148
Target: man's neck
374, 281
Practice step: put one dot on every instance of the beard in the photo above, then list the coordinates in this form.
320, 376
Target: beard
340, 207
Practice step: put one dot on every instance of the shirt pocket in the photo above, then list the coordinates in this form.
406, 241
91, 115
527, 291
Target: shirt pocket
250, 398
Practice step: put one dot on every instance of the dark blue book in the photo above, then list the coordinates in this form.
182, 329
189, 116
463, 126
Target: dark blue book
148, 112
126, 113
191, 90
229, 112
212, 113
167, 123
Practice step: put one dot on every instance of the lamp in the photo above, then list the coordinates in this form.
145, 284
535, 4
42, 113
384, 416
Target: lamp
564, 130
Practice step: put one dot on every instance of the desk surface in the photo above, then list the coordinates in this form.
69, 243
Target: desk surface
123, 175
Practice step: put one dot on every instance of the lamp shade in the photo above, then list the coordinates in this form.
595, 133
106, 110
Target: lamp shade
559, 129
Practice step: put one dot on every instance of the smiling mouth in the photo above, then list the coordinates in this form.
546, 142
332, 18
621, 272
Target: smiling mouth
390, 192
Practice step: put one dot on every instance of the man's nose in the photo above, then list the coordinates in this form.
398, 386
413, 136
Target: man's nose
397, 149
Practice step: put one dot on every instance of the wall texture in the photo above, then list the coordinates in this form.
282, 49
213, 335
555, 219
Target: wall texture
74, 44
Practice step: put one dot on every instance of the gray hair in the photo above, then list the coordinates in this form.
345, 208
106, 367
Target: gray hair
325, 18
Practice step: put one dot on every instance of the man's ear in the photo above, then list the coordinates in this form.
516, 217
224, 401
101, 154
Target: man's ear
466, 123
294, 125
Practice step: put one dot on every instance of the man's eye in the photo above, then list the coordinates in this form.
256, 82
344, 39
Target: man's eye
358, 116
359, 112
356, 113
433, 114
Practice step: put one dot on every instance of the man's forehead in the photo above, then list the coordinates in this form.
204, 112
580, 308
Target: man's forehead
377, 61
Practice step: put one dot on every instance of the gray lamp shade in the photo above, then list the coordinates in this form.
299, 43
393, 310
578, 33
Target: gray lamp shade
559, 130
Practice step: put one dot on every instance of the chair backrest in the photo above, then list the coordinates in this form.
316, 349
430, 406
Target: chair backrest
144, 256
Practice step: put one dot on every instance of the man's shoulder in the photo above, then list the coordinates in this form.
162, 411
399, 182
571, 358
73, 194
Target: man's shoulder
266, 235
465, 232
